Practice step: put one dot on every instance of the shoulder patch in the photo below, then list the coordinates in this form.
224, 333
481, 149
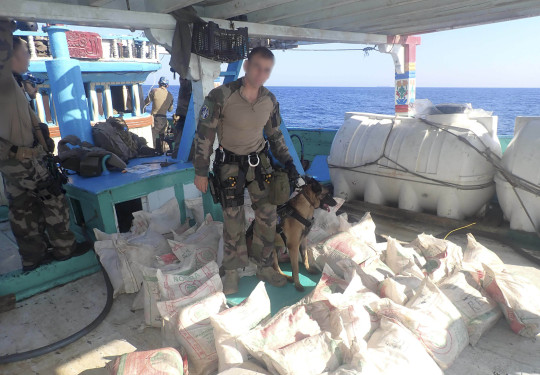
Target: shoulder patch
205, 112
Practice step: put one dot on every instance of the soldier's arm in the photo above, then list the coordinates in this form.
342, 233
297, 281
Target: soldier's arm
206, 132
6, 78
148, 98
172, 102
6, 51
275, 136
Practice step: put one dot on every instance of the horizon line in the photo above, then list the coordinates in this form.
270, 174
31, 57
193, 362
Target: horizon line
378, 87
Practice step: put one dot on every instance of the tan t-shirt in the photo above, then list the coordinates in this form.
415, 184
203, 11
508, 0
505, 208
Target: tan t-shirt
18, 128
162, 101
16, 116
242, 125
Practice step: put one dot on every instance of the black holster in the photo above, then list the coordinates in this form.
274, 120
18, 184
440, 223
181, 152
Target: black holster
57, 176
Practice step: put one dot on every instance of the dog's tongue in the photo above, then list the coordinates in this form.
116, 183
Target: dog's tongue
326, 207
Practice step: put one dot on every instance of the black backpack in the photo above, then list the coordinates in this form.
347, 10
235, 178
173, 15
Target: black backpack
85, 158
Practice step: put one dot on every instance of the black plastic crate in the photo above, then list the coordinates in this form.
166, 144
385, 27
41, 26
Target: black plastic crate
210, 41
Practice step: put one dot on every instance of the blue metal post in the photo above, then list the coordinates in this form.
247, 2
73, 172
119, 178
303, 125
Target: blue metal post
232, 72
188, 133
67, 88
190, 126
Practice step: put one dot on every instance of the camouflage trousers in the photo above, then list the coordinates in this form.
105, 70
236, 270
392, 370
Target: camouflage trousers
159, 127
36, 216
264, 230
158, 132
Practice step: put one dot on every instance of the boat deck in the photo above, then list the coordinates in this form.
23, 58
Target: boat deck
55, 314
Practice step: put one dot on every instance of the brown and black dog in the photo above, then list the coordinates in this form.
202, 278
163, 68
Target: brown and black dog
294, 222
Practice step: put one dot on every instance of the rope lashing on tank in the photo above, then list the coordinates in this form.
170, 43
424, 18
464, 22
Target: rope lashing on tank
486, 153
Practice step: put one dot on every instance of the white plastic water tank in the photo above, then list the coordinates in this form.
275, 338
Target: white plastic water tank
426, 166
521, 158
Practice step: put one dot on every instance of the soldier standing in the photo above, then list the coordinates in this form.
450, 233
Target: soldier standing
240, 113
162, 102
36, 201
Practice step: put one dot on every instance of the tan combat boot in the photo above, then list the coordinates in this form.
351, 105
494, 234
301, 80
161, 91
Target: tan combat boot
230, 282
271, 276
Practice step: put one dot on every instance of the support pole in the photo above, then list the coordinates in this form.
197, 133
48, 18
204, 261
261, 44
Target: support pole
207, 71
67, 88
403, 51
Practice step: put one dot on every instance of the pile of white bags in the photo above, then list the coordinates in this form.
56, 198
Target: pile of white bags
236, 321
378, 308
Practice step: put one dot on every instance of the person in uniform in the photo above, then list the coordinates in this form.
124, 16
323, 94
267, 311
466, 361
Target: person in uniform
162, 102
38, 209
241, 113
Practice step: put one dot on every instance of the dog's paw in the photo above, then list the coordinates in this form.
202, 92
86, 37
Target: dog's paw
313, 270
299, 287
290, 279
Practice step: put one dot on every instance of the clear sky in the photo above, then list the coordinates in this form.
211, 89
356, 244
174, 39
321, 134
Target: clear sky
505, 54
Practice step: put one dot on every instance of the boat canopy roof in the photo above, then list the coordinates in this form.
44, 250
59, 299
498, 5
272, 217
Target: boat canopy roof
348, 21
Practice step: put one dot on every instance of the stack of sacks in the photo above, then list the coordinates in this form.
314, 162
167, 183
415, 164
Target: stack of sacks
230, 324
121, 253
208, 331
195, 209
191, 268
443, 258
160, 361
517, 296
198, 246
292, 343
407, 265
342, 308
327, 223
163, 220
355, 246
433, 319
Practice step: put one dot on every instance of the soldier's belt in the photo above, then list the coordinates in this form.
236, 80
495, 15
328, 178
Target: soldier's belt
225, 157
28, 152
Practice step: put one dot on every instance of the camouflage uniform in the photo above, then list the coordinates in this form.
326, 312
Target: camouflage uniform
33, 209
219, 116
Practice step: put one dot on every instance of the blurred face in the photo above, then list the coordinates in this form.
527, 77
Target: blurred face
21, 59
258, 70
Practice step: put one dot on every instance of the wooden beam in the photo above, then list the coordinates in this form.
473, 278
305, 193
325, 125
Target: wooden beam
167, 6
100, 17
496, 11
411, 16
303, 34
296, 8
386, 15
334, 13
84, 15
239, 7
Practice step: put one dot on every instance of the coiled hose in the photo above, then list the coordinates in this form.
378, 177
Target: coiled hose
68, 340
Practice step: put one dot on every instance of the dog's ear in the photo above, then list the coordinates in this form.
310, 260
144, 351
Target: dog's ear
315, 186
